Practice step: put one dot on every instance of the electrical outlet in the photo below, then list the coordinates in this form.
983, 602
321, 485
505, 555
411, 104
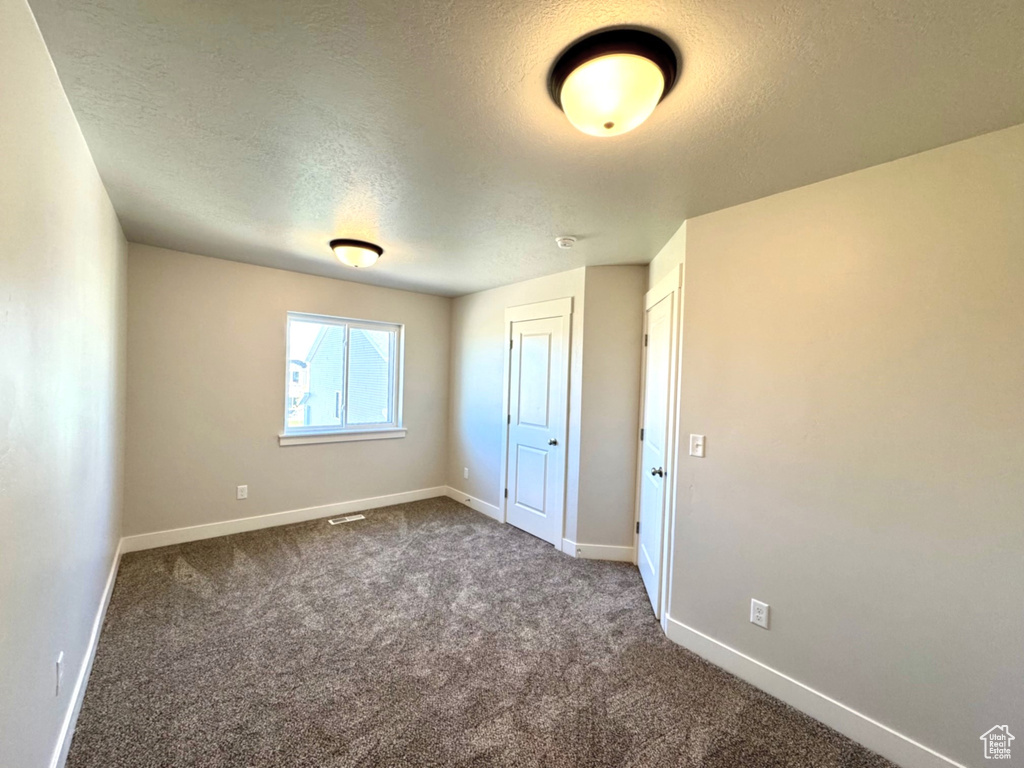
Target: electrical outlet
465, 473
759, 613
242, 492
60, 673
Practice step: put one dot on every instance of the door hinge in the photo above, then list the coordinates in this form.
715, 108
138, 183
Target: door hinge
509, 419
638, 526
645, 339
506, 493
511, 343
641, 434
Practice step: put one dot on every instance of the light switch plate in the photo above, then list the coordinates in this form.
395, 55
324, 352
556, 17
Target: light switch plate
697, 446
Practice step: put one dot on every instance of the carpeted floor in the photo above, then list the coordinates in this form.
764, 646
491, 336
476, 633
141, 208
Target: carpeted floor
426, 635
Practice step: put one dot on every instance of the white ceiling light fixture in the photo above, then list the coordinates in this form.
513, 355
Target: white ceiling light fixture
565, 242
610, 82
356, 253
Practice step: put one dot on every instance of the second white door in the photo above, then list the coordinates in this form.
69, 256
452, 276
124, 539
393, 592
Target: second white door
654, 461
538, 392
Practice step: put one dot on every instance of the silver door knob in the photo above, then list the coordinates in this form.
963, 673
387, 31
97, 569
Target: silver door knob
658, 472
552, 441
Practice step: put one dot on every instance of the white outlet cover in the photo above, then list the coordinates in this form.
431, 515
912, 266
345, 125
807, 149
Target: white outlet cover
759, 613
465, 473
697, 446
242, 492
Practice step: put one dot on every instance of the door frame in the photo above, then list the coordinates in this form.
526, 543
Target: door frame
671, 285
541, 310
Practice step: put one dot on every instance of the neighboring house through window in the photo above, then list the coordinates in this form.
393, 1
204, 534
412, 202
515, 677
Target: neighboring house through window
343, 376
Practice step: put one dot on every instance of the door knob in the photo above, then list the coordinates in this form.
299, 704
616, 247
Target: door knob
552, 441
658, 472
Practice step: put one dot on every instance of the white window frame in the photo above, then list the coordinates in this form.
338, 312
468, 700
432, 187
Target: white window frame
334, 433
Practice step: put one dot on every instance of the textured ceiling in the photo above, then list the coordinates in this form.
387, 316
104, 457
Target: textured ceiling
257, 130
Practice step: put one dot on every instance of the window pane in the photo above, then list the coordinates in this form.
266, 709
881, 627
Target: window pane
370, 376
316, 365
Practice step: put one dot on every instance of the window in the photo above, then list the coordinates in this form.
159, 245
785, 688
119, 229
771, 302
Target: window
343, 379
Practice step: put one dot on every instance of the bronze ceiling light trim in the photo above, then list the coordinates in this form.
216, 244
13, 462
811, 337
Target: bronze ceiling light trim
356, 253
608, 83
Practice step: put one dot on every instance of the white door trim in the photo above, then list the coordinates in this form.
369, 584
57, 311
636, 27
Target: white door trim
540, 310
670, 284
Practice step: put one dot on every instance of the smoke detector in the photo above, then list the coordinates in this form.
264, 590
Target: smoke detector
565, 242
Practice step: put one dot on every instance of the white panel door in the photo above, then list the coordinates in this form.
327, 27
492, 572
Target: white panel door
538, 391
654, 449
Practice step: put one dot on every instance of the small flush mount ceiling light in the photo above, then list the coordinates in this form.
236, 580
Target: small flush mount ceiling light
610, 82
565, 242
356, 253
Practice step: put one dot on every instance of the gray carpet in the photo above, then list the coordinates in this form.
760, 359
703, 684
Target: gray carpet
426, 635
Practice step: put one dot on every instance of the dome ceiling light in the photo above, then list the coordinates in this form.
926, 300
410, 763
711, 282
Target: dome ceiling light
610, 82
356, 253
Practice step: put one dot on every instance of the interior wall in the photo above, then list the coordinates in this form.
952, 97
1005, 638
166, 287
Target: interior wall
853, 352
62, 329
206, 384
479, 348
668, 258
610, 412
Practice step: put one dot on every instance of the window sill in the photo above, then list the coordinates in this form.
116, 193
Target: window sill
342, 437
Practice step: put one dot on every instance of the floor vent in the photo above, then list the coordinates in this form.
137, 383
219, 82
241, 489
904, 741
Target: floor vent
346, 519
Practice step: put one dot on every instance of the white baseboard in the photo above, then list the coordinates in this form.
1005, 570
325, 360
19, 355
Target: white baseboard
67, 730
890, 744
598, 551
473, 502
240, 525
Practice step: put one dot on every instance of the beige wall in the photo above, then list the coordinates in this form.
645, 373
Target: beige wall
62, 278
668, 258
206, 351
479, 348
854, 352
610, 413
